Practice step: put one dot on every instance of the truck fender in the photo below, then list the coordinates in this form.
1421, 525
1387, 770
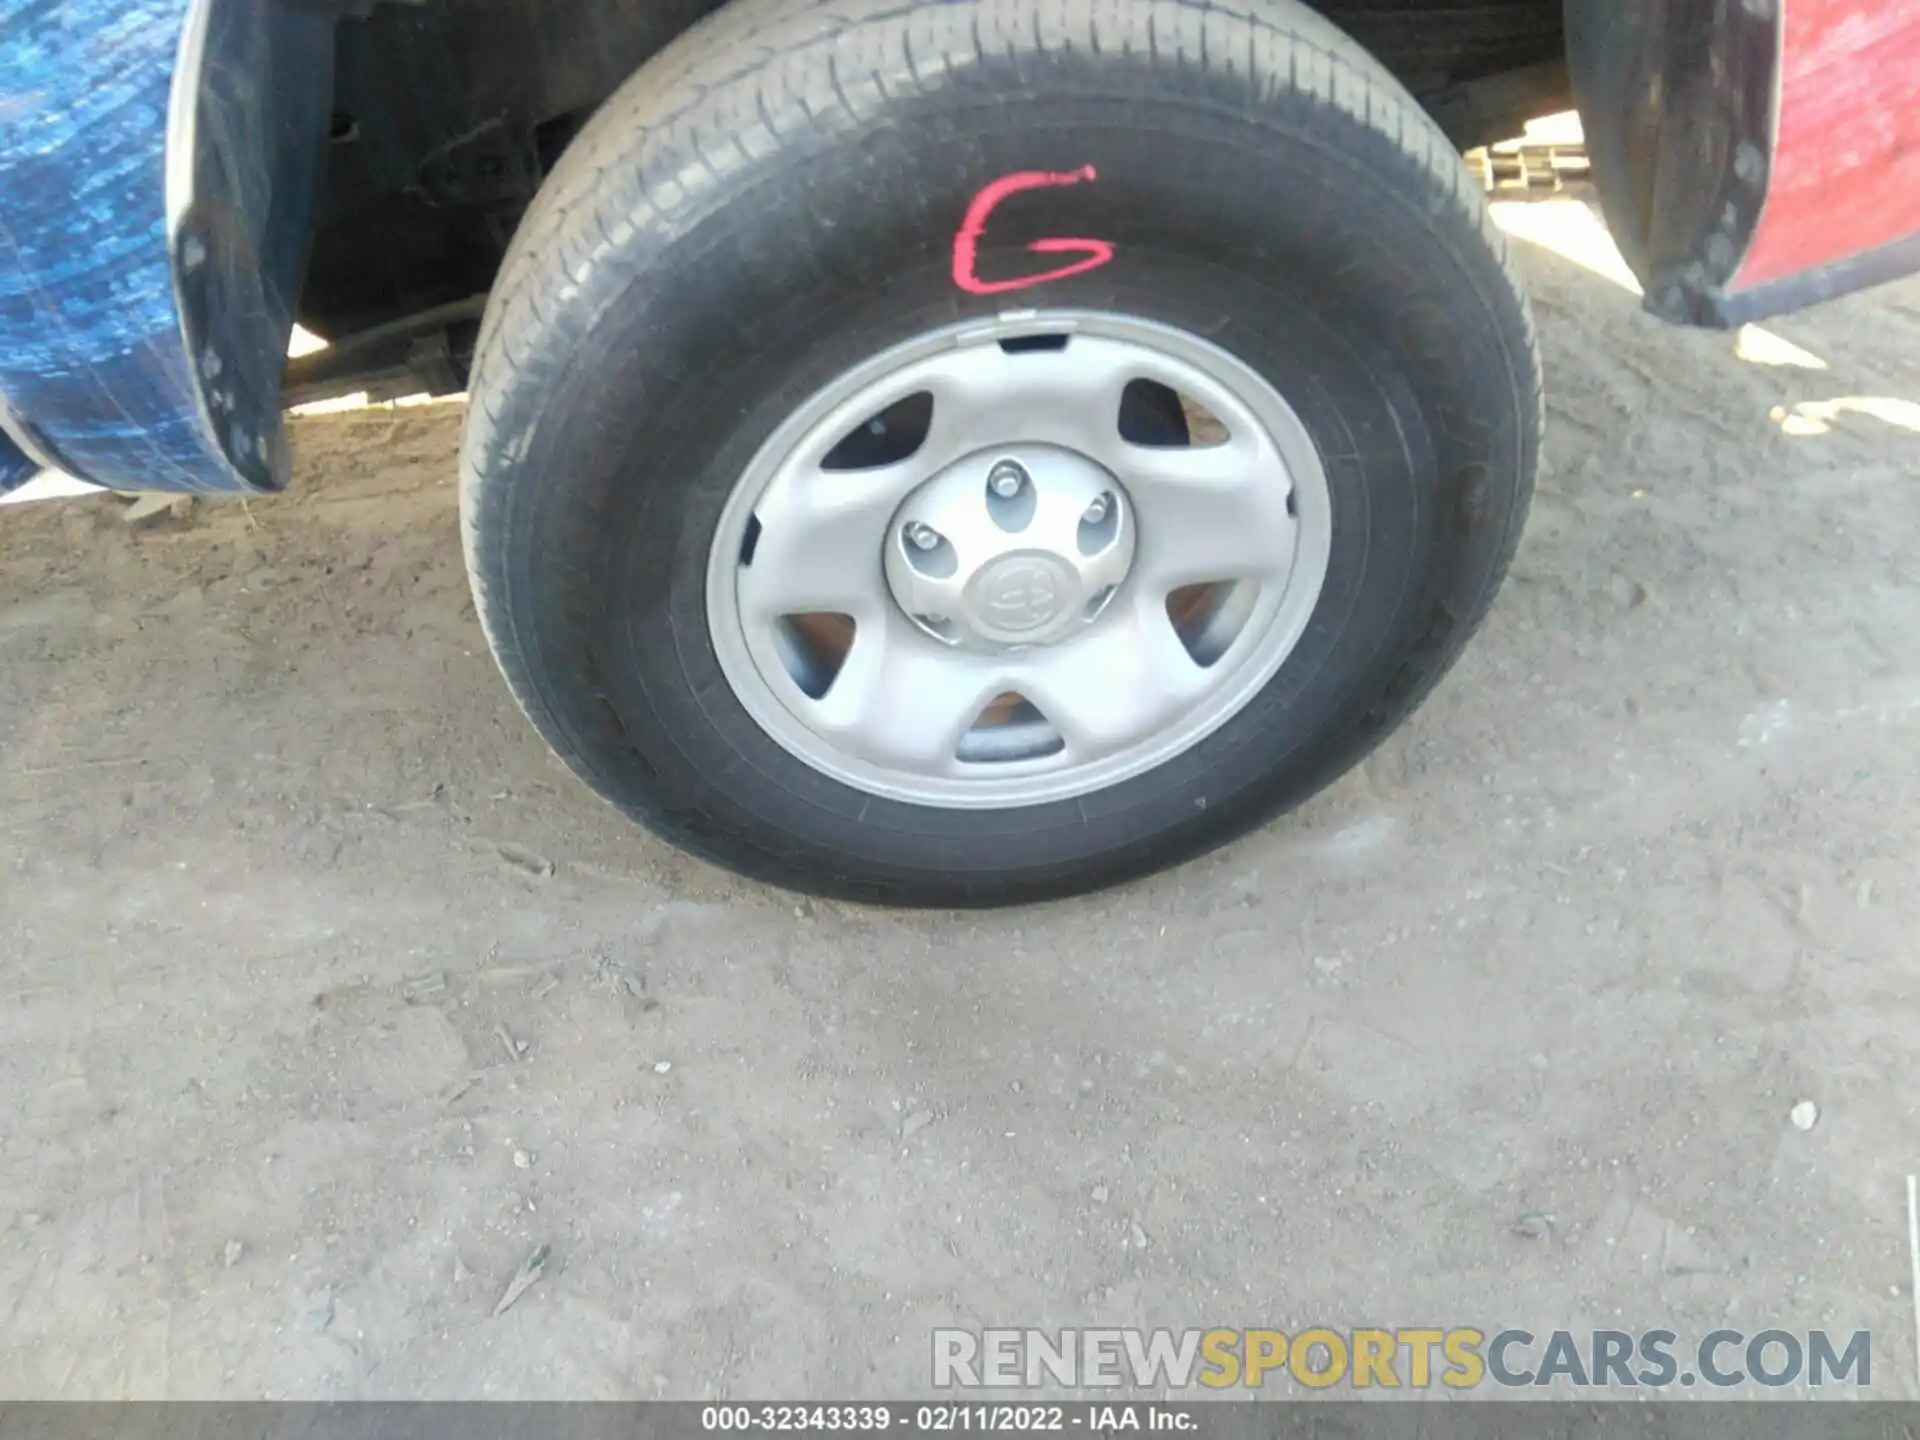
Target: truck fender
158, 166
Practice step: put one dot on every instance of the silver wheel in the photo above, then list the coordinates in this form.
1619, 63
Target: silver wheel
951, 578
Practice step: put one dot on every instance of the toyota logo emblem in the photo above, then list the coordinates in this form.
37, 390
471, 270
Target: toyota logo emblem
1020, 595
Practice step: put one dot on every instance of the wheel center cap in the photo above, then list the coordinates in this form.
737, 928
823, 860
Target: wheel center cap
1019, 594
1015, 546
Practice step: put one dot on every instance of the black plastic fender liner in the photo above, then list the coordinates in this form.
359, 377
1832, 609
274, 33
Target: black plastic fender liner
1678, 101
245, 148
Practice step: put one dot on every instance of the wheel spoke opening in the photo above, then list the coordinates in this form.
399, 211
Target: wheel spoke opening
1208, 617
1011, 728
814, 647
1027, 344
1158, 415
885, 438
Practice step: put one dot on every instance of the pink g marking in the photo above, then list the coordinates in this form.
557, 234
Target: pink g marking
966, 244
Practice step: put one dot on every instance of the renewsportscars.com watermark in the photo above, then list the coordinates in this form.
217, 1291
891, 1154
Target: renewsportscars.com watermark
1461, 1358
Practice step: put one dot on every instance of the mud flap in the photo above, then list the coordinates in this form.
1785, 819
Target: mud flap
158, 166
1752, 156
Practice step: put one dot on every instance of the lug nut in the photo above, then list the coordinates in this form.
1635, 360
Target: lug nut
1097, 511
1006, 479
923, 537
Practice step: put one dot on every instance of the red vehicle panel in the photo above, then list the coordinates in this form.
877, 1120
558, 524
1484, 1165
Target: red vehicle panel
1846, 161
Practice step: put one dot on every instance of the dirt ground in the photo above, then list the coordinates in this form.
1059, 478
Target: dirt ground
326, 995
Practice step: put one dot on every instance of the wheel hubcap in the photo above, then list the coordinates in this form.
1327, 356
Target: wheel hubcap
1018, 546
969, 574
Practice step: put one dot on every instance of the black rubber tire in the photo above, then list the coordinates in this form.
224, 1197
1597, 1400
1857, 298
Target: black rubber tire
774, 198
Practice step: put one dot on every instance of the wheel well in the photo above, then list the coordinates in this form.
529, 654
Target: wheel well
448, 113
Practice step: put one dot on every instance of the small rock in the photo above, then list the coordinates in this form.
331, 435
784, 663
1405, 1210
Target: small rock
460, 1272
1627, 594
234, 1250
152, 508
661, 1067
1099, 1194
916, 1122
1805, 1115
521, 858
608, 972
516, 1050
1327, 965
1137, 1235
522, 1160
423, 987
1533, 1225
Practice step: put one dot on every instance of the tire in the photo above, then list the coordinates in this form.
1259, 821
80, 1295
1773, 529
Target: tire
774, 201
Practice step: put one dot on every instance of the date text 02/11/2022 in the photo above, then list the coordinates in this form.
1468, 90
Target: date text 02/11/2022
944, 1418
